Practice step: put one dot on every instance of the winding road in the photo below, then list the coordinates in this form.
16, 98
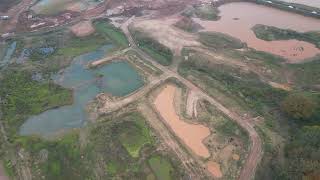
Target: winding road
255, 154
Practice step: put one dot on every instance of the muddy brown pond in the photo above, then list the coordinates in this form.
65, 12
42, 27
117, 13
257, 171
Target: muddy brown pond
237, 19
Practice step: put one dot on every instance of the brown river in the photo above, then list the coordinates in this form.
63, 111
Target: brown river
237, 19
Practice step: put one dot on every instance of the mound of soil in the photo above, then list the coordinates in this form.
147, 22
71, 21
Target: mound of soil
82, 29
187, 24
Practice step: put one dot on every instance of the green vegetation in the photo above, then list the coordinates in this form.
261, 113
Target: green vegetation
306, 74
80, 45
8, 167
159, 52
290, 158
96, 152
303, 152
59, 159
115, 34
161, 167
112, 167
245, 87
108, 141
299, 106
21, 97
270, 33
219, 40
67, 46
135, 137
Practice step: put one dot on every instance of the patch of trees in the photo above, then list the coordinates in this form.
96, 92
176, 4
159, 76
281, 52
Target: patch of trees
299, 106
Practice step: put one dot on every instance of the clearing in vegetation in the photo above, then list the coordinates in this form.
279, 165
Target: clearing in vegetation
82, 29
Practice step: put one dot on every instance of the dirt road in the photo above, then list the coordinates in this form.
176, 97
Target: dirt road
170, 141
255, 154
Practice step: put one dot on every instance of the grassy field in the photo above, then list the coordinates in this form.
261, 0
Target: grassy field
135, 135
307, 74
161, 167
115, 34
159, 52
220, 41
270, 33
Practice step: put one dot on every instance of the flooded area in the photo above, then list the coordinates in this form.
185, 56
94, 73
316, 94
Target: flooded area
191, 134
238, 23
214, 169
117, 78
312, 3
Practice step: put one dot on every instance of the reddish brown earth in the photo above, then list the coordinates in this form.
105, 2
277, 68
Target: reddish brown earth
191, 134
82, 29
214, 169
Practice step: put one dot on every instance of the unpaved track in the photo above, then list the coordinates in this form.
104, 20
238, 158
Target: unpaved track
255, 154
170, 141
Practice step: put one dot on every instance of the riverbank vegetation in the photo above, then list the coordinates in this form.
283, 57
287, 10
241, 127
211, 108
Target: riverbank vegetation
291, 7
21, 97
270, 33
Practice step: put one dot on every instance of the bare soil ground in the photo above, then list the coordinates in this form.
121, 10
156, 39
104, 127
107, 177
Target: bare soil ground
164, 32
188, 162
192, 135
82, 29
214, 169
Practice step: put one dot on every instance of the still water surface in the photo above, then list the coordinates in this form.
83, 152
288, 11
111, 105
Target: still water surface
117, 78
